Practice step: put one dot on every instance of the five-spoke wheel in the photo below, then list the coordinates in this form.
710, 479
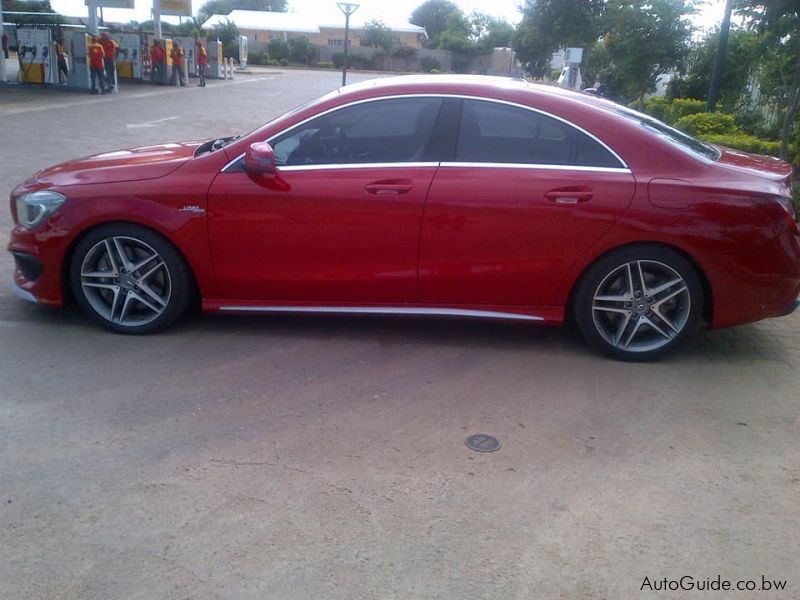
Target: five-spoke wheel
129, 279
638, 302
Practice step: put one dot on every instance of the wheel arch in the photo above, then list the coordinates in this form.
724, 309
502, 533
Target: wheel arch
66, 288
708, 295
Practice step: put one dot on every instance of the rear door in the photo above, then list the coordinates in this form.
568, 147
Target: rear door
525, 194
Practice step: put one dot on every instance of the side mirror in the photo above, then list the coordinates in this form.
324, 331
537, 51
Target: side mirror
260, 158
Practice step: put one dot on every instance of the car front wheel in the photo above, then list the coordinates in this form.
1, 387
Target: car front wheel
638, 303
129, 279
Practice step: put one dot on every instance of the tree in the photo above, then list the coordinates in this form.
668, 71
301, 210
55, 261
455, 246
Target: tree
378, 35
548, 25
741, 60
645, 39
38, 6
228, 34
301, 50
433, 15
777, 23
719, 59
489, 32
188, 28
224, 7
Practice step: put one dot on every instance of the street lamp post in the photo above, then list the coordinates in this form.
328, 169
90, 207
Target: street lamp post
348, 8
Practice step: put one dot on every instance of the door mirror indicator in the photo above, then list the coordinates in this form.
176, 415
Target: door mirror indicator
260, 158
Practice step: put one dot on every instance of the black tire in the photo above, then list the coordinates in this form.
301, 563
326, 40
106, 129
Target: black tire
169, 288
658, 326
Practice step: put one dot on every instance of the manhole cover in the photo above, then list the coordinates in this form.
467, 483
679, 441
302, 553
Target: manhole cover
482, 442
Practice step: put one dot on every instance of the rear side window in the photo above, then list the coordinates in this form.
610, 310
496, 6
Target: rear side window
383, 131
498, 133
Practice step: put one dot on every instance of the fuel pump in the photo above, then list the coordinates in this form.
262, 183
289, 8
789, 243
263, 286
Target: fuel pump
79, 77
129, 55
36, 61
189, 55
243, 51
216, 59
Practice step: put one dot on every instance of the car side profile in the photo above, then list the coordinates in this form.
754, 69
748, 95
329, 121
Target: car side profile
457, 196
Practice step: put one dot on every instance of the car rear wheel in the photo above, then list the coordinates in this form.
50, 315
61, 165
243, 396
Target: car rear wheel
130, 279
639, 302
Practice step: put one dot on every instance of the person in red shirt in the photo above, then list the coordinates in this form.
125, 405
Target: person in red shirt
177, 64
202, 59
157, 57
110, 49
96, 54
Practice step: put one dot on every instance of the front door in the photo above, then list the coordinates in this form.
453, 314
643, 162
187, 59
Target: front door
340, 223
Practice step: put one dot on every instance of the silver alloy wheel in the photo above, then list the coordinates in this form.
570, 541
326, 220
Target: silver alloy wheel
641, 306
126, 281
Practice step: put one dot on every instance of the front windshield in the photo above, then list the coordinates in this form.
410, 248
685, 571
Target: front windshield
673, 135
218, 144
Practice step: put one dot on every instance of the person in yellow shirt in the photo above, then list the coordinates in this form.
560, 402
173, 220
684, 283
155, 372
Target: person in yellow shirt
61, 59
202, 60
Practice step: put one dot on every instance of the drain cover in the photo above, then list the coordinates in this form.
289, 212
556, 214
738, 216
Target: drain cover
482, 442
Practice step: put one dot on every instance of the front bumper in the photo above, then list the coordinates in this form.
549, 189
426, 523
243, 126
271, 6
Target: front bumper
37, 265
24, 294
793, 307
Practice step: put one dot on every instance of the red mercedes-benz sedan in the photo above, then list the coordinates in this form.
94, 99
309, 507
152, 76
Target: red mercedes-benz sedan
430, 195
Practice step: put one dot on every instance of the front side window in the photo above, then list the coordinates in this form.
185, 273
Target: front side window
498, 133
381, 131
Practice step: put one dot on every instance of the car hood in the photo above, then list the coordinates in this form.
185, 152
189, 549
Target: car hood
766, 165
135, 164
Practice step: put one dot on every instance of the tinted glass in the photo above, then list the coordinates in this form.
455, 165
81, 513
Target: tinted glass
383, 131
498, 133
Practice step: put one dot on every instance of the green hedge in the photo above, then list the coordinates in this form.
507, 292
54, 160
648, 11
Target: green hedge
681, 107
743, 141
656, 106
708, 123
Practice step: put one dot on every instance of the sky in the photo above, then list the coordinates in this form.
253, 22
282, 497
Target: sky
389, 10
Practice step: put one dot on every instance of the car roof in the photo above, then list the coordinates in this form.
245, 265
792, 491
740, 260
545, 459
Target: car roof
472, 85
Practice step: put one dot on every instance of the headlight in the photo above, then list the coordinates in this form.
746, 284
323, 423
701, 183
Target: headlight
35, 208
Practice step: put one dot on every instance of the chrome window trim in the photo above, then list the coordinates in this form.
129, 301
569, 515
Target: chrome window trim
442, 96
232, 163
535, 167
348, 166
384, 310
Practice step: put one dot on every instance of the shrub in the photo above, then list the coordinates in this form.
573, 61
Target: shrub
325, 64
301, 50
681, 107
278, 49
743, 141
284, 62
404, 52
428, 64
708, 123
655, 106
